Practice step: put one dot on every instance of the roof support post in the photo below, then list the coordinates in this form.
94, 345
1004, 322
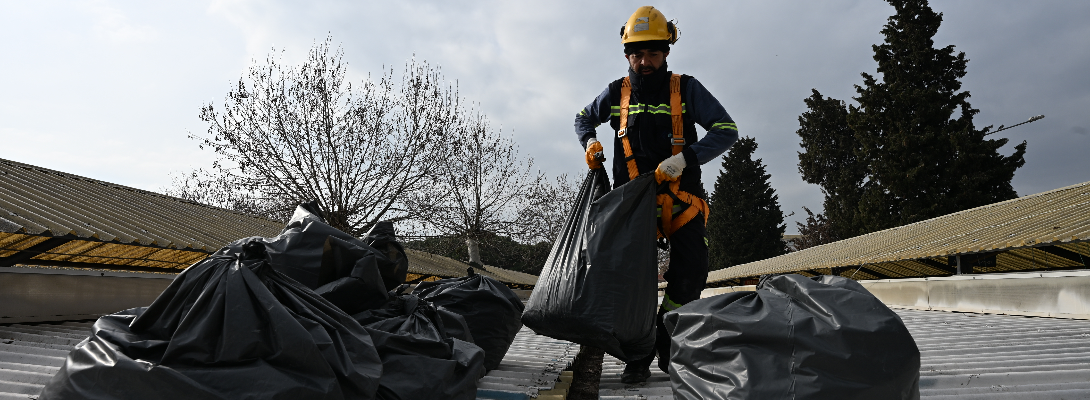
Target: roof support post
963, 266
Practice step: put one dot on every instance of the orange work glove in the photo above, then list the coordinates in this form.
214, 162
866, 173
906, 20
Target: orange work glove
593, 147
670, 168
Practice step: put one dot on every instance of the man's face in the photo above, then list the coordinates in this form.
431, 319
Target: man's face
646, 61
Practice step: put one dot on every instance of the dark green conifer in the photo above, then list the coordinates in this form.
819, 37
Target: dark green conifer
830, 161
745, 223
920, 153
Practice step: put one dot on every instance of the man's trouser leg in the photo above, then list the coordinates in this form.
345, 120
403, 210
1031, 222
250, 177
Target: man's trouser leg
686, 278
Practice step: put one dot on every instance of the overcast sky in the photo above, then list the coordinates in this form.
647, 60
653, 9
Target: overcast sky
110, 90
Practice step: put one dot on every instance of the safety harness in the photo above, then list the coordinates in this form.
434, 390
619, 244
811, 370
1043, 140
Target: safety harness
666, 198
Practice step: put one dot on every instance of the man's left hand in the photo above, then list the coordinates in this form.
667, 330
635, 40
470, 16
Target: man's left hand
670, 168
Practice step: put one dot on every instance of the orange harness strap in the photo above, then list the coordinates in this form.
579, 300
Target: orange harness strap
665, 201
626, 94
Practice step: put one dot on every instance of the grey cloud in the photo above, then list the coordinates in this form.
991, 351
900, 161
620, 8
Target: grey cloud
531, 66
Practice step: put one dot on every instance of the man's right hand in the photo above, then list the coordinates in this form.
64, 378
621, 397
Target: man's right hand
593, 149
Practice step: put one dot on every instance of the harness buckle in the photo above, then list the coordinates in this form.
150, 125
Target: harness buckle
678, 141
622, 132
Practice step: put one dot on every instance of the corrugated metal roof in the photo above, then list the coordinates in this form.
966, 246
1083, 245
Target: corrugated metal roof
40, 201
119, 227
532, 368
982, 356
423, 263
962, 355
30, 354
1027, 233
610, 386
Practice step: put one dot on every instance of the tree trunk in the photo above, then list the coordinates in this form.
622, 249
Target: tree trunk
474, 252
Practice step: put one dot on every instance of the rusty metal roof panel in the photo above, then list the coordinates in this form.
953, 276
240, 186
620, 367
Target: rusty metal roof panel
1059, 217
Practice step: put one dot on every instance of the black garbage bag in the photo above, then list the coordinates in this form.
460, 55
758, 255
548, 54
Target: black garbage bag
360, 287
419, 359
299, 251
228, 327
599, 284
491, 310
794, 338
395, 265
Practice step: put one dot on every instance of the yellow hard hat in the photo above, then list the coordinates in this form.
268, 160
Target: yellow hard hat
646, 24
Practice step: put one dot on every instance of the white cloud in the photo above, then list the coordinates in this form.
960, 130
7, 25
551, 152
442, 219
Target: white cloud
111, 24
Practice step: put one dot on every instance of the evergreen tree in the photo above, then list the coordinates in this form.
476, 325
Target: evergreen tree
919, 152
924, 161
830, 161
745, 223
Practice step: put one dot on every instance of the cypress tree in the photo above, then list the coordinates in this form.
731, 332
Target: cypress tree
926, 158
916, 145
745, 223
830, 161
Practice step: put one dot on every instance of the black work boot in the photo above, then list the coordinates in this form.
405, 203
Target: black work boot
635, 373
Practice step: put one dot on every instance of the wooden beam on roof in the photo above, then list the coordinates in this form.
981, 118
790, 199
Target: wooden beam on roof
1064, 253
874, 273
937, 265
26, 254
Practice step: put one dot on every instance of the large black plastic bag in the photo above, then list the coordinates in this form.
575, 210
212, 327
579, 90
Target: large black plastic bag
360, 286
228, 327
794, 338
599, 285
336, 265
419, 359
491, 310
395, 265
299, 249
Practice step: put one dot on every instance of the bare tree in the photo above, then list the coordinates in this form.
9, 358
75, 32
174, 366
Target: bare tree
484, 189
286, 135
544, 209
205, 187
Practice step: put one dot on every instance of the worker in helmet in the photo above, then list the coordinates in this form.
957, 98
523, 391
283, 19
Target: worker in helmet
654, 114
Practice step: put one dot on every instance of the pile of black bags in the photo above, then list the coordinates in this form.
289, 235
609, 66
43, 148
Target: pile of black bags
599, 284
491, 310
312, 313
795, 337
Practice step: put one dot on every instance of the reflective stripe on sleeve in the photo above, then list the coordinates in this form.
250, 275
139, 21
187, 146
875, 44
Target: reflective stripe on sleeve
668, 304
725, 126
